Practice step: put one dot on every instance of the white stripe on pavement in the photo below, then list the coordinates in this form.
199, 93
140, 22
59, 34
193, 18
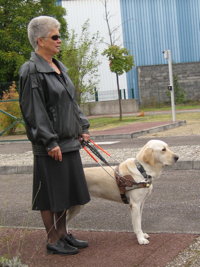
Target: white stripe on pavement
107, 143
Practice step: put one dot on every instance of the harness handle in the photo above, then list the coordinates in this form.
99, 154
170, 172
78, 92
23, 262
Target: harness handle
99, 147
92, 156
94, 151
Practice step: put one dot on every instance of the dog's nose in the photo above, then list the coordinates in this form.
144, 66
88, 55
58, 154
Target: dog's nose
176, 158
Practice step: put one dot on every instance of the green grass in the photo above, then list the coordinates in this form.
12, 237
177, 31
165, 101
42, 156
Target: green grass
103, 123
178, 107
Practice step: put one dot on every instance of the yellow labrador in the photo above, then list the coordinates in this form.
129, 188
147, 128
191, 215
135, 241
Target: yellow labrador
101, 182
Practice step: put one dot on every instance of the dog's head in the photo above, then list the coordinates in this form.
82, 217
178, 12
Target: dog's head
157, 152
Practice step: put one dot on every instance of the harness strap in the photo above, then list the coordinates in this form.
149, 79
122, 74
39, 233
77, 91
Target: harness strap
127, 182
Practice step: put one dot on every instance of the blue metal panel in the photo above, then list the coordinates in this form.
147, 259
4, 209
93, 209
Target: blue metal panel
188, 17
58, 2
151, 26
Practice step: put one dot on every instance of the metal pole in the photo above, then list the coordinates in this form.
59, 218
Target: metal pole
168, 56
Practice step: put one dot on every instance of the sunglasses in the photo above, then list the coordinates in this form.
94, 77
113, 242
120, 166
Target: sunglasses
54, 37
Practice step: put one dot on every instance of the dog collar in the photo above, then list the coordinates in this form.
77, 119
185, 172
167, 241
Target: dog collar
142, 170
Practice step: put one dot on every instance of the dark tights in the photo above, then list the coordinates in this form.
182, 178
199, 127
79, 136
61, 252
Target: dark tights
55, 224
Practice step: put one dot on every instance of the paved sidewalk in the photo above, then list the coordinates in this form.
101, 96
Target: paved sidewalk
107, 248
135, 129
125, 131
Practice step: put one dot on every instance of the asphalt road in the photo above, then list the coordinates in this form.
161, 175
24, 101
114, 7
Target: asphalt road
138, 142
21, 147
173, 207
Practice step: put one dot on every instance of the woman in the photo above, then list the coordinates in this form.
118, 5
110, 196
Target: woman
55, 126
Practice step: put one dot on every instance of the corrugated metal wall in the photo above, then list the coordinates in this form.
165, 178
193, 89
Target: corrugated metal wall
151, 26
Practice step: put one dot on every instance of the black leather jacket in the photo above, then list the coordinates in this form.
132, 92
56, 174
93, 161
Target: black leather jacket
47, 101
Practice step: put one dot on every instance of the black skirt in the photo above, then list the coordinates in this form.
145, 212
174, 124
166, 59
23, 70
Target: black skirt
57, 186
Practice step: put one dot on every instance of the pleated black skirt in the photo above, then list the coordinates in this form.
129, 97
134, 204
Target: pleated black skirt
57, 186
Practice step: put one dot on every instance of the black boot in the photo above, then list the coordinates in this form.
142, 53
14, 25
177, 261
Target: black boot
71, 240
61, 247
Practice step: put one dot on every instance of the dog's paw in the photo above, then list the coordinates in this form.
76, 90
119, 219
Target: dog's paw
146, 235
143, 241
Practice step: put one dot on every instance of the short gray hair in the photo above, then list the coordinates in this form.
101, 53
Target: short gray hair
40, 27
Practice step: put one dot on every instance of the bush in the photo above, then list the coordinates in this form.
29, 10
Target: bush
14, 262
12, 108
179, 93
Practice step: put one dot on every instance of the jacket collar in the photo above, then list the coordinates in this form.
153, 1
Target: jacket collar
43, 66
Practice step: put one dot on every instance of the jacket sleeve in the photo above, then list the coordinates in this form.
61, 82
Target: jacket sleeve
83, 121
32, 104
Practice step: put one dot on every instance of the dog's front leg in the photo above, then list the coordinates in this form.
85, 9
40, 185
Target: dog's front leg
137, 223
72, 212
141, 210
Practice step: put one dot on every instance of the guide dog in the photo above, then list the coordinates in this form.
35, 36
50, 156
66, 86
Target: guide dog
146, 167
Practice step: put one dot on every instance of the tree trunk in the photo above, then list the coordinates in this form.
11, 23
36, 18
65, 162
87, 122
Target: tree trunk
119, 97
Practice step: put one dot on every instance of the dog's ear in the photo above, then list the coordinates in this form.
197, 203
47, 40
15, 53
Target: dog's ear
148, 156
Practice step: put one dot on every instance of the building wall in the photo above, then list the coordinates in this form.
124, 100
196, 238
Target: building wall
110, 107
147, 27
153, 82
151, 26
81, 10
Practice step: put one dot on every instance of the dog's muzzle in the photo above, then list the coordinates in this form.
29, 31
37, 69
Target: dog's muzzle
176, 158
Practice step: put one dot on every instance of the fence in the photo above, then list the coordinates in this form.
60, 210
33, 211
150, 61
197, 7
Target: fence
15, 119
106, 95
98, 96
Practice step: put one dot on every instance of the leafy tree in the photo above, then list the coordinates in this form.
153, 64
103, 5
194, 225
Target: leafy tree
120, 62
14, 18
79, 54
119, 58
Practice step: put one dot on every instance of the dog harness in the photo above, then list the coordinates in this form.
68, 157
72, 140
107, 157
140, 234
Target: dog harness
127, 182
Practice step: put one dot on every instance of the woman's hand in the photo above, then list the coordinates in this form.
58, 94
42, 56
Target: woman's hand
55, 153
85, 137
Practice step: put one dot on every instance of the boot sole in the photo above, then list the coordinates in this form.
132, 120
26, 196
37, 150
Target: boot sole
51, 252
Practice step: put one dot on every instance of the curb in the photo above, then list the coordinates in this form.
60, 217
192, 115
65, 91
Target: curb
118, 136
180, 165
159, 128
140, 133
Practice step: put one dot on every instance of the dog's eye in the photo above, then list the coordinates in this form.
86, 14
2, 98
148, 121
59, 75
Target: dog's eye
164, 149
